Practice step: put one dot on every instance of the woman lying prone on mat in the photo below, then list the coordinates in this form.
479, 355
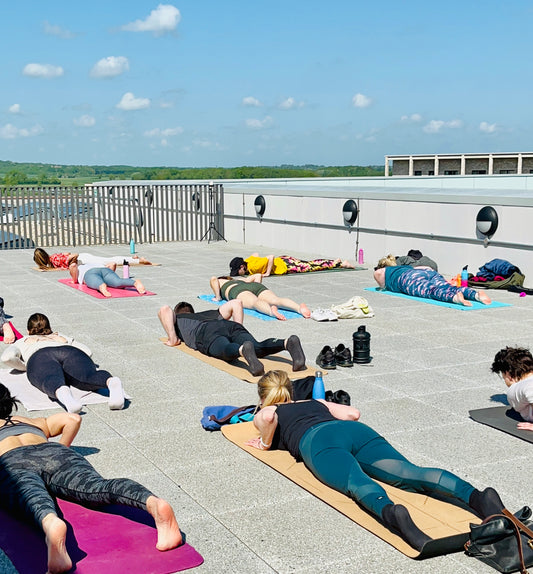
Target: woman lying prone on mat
63, 260
254, 295
281, 265
55, 362
347, 455
34, 471
100, 278
515, 365
423, 282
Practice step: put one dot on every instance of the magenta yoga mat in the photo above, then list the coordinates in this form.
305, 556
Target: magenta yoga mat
119, 539
115, 293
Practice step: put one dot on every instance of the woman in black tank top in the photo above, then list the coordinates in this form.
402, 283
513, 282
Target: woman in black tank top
349, 456
34, 471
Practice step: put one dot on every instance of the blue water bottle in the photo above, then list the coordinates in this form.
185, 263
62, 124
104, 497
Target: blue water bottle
132, 246
319, 392
464, 276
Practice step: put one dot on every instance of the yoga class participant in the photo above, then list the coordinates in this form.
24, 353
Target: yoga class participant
100, 278
64, 259
515, 366
55, 362
423, 282
213, 334
349, 456
34, 471
254, 295
281, 265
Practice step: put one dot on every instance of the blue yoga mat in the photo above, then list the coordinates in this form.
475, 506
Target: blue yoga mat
476, 305
252, 312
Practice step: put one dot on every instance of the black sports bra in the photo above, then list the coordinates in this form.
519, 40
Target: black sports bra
16, 428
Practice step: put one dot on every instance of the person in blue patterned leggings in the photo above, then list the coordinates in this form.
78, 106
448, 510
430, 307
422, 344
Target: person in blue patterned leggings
423, 282
33, 471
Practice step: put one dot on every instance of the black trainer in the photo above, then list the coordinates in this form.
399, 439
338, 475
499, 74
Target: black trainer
326, 359
343, 356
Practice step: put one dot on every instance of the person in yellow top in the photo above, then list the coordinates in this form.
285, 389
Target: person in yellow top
281, 265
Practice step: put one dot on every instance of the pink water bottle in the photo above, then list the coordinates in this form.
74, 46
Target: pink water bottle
125, 270
361, 258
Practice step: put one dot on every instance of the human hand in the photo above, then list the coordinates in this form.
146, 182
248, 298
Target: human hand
9, 335
525, 426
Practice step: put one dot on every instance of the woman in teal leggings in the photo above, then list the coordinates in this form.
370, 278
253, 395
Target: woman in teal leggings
349, 456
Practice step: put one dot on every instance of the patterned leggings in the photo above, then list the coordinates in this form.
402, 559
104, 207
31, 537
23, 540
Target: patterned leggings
295, 265
347, 455
30, 476
429, 284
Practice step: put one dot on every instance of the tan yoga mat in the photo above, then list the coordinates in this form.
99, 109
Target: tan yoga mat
448, 525
239, 367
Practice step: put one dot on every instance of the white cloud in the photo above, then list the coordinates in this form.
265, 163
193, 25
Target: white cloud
487, 128
11, 132
290, 104
361, 101
85, 121
435, 126
165, 133
52, 30
411, 118
130, 102
259, 124
42, 71
251, 101
110, 67
14, 109
165, 18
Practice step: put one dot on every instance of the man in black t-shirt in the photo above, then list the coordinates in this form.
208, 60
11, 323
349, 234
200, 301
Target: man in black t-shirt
220, 334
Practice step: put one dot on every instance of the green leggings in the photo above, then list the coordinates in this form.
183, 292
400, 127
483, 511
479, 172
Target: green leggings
347, 455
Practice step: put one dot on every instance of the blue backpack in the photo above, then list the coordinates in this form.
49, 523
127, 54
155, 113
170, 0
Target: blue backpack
214, 417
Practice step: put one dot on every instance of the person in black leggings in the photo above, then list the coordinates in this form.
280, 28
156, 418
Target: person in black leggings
55, 362
213, 334
348, 455
34, 471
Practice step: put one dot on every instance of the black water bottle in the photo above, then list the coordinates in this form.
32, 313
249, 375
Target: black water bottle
361, 346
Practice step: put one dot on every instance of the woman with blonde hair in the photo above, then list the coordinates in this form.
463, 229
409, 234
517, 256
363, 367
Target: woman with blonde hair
424, 282
349, 456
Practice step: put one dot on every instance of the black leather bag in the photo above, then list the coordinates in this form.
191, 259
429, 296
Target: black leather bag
503, 541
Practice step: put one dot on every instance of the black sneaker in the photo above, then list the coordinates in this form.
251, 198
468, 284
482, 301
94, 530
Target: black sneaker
326, 359
343, 356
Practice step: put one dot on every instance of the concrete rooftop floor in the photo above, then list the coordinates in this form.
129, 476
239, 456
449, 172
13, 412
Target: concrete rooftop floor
430, 366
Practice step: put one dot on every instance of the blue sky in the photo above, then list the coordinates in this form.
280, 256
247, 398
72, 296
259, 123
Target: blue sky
210, 83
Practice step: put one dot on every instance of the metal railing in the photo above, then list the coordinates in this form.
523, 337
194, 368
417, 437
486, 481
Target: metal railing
110, 214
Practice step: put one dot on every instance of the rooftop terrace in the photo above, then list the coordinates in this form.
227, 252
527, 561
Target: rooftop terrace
430, 366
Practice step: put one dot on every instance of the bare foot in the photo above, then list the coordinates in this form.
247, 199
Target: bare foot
55, 531
144, 261
104, 290
459, 298
483, 297
347, 265
9, 335
139, 286
168, 531
304, 310
277, 314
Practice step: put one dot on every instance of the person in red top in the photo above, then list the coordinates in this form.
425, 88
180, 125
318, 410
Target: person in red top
64, 260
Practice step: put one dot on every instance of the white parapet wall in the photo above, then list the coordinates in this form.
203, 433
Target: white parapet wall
436, 215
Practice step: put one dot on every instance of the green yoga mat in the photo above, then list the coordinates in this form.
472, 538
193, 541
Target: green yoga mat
476, 305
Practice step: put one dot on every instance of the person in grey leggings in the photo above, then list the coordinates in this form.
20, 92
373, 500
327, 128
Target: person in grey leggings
100, 278
34, 471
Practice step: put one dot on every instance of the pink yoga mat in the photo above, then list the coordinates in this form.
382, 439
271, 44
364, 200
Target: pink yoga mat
97, 542
115, 293
17, 334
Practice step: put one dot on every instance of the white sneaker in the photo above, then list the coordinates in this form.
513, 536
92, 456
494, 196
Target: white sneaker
331, 315
320, 315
